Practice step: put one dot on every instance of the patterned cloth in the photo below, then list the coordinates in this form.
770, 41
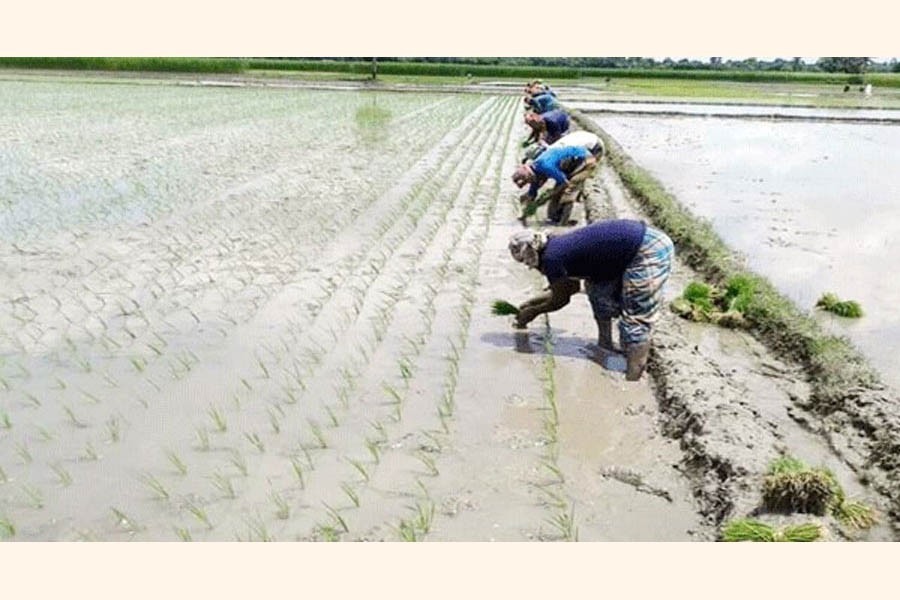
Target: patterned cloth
638, 296
526, 245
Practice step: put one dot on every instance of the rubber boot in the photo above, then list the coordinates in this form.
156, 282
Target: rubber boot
636, 355
604, 338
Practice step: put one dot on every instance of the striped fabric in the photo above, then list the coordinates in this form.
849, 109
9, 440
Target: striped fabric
642, 286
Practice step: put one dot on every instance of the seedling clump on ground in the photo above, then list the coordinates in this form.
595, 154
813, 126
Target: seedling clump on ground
842, 308
705, 303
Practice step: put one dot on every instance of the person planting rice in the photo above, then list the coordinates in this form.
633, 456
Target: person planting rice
542, 103
547, 127
569, 167
624, 264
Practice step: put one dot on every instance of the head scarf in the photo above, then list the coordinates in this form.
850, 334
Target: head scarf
521, 175
526, 245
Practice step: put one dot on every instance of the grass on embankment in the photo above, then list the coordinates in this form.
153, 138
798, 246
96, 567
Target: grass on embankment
835, 367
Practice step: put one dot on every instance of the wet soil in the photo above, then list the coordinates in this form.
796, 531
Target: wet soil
214, 335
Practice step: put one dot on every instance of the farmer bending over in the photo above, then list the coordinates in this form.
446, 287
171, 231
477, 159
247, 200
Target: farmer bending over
624, 264
547, 127
542, 103
568, 166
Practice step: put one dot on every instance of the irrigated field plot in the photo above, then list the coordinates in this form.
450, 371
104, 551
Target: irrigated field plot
247, 314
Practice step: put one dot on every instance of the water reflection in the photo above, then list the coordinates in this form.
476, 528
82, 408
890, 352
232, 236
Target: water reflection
527, 342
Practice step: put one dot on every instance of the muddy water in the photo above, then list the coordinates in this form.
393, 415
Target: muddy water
214, 330
716, 110
812, 206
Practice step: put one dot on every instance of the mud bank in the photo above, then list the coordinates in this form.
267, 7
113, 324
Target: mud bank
792, 389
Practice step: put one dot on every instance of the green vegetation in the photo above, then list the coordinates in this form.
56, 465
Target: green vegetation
161, 64
833, 364
708, 304
748, 530
842, 308
792, 486
503, 308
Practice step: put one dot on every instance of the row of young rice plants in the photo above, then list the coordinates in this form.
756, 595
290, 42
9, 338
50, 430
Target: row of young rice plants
79, 404
304, 419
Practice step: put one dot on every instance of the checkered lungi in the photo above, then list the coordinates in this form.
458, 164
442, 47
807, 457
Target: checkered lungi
638, 296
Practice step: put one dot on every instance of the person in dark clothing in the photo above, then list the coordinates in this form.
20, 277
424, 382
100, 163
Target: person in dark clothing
547, 127
624, 264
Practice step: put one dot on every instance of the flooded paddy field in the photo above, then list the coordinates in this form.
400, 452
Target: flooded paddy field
812, 206
263, 314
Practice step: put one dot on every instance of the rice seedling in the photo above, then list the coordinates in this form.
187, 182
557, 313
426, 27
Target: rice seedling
124, 521
336, 517
436, 443
89, 452
332, 417
791, 486
316, 431
199, 514
351, 493
114, 429
424, 516
262, 367
183, 534
258, 529
45, 434
842, 308
73, 419
3, 477
246, 384
22, 451
564, 523
218, 419
429, 463
32, 399
155, 485
748, 530
202, 439
407, 531
739, 291
554, 469
224, 485
361, 468
379, 428
33, 496
238, 461
7, 529
374, 450
852, 513
273, 421
257, 442
64, 477
502, 308
177, 462
138, 363
298, 471
5, 421
328, 533
282, 508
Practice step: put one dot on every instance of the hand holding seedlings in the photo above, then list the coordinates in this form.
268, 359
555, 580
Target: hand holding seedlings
624, 264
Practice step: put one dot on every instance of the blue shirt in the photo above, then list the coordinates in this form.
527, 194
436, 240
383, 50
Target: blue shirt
543, 103
557, 122
600, 251
547, 166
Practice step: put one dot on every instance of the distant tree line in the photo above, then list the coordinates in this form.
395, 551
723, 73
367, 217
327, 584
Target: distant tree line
825, 64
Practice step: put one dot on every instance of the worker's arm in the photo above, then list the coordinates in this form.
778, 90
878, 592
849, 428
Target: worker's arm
560, 292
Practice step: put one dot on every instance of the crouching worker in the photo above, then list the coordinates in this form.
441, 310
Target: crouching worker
569, 167
546, 127
624, 265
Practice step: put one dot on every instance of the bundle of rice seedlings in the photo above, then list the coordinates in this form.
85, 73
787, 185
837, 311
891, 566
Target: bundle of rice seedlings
738, 294
699, 295
503, 308
791, 486
853, 513
842, 308
805, 532
732, 319
748, 530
